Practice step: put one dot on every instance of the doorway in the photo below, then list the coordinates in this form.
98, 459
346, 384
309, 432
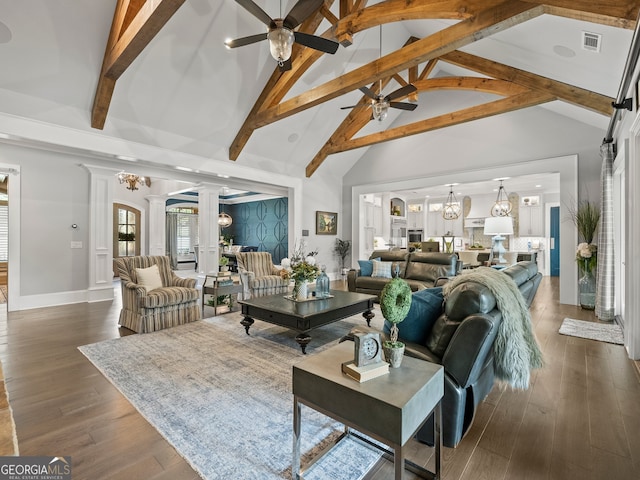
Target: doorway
4, 238
126, 232
554, 241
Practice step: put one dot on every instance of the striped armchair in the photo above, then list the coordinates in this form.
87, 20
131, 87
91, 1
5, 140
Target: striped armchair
175, 303
258, 275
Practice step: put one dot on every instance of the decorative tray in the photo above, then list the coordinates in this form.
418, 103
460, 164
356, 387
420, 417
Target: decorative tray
308, 299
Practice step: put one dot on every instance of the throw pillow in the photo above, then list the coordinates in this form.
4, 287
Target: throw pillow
149, 278
426, 307
381, 269
366, 267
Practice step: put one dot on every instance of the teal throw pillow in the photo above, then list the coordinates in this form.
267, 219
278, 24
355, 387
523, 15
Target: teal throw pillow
426, 307
381, 269
366, 267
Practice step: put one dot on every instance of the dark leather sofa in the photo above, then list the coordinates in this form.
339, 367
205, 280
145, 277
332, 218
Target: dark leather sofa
461, 340
420, 269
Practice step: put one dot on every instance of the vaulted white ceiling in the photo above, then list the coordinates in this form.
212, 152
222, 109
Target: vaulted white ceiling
187, 92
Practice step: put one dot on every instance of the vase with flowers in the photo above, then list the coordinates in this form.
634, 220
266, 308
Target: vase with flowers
586, 256
302, 268
586, 217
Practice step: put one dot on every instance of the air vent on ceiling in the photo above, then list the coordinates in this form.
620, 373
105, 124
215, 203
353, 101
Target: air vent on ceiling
591, 41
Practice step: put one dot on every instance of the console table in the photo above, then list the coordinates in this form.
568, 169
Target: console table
390, 408
218, 286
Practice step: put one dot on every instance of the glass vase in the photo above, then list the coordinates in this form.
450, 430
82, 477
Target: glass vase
587, 288
322, 284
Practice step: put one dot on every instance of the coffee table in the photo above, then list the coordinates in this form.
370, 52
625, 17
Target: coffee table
390, 408
306, 315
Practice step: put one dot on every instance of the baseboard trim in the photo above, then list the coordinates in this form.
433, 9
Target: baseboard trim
29, 302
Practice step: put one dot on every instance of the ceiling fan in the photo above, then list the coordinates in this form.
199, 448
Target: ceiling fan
380, 103
281, 34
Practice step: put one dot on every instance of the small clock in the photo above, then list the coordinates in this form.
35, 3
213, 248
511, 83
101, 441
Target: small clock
368, 349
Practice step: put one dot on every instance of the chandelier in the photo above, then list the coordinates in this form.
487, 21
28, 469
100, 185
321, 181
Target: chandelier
503, 206
132, 180
451, 208
224, 220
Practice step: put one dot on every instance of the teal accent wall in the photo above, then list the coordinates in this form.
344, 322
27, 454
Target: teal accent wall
263, 224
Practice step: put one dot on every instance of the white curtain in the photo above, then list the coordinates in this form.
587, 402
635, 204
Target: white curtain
605, 300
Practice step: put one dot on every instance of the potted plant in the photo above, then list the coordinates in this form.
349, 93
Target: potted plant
586, 216
395, 301
342, 248
224, 264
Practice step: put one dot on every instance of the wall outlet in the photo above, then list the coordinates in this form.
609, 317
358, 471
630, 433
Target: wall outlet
76, 244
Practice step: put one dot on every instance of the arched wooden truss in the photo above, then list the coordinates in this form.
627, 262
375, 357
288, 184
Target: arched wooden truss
410, 64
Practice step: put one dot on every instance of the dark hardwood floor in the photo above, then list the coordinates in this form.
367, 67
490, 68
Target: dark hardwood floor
580, 419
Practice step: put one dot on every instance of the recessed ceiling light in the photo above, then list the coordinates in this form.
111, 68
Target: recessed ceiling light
5, 33
126, 158
563, 51
293, 138
538, 186
184, 169
222, 176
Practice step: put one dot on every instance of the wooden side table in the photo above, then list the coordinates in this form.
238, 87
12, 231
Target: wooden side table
390, 408
218, 286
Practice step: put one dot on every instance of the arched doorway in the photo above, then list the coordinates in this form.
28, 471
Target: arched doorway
126, 232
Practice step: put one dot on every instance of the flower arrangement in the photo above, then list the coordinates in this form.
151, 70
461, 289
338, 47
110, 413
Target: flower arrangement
300, 266
587, 256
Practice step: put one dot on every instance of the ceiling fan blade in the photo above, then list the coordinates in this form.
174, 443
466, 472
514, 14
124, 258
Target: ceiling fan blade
315, 42
286, 65
401, 92
403, 106
368, 92
256, 11
300, 12
240, 42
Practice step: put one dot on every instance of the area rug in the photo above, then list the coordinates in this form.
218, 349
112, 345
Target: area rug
223, 398
603, 332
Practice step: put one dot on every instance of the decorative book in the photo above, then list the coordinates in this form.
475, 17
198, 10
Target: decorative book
368, 372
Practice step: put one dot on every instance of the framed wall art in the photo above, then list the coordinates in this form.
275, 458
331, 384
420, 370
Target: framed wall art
326, 223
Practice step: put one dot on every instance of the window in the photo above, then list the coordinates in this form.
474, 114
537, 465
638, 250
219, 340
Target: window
126, 231
187, 229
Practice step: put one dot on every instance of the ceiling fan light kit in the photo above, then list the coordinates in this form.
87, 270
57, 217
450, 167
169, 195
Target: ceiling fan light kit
281, 44
281, 34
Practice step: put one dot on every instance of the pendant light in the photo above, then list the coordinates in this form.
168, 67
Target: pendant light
502, 207
451, 209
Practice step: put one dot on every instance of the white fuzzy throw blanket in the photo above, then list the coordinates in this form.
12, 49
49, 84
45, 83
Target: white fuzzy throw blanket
515, 349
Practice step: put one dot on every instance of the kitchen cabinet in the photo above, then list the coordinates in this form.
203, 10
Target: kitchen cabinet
438, 226
415, 220
531, 221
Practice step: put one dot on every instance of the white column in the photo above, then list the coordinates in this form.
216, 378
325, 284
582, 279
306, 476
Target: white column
101, 234
157, 224
208, 230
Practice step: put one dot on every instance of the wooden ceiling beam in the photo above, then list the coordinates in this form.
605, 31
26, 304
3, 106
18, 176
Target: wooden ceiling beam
355, 18
130, 34
486, 23
577, 96
515, 102
358, 118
